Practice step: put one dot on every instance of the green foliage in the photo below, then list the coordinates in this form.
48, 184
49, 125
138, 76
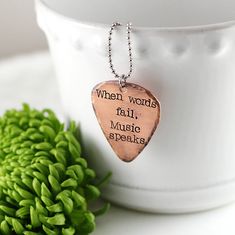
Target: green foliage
45, 184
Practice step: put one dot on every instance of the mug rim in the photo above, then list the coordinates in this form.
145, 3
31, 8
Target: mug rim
98, 25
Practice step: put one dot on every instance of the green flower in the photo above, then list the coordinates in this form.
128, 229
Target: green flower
45, 184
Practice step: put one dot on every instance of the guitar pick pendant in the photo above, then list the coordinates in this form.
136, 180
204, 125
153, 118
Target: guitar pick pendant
128, 117
127, 113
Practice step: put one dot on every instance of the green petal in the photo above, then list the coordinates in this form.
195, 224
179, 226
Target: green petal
58, 219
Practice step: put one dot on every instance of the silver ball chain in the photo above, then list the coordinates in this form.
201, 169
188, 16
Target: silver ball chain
122, 78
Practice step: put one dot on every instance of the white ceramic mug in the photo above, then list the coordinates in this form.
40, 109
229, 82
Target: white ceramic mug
184, 54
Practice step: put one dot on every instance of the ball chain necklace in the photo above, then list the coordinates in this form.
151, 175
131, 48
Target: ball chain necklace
127, 113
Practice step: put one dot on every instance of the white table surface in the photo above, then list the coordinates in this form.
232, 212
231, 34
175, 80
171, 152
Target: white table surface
31, 79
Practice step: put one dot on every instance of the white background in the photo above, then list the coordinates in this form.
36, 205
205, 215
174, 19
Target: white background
18, 28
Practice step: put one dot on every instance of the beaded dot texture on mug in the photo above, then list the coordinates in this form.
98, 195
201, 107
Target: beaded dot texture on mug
45, 184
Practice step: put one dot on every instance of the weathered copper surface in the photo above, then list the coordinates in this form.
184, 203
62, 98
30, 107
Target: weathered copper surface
128, 118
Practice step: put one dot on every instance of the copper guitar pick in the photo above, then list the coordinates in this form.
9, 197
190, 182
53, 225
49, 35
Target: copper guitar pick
128, 117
